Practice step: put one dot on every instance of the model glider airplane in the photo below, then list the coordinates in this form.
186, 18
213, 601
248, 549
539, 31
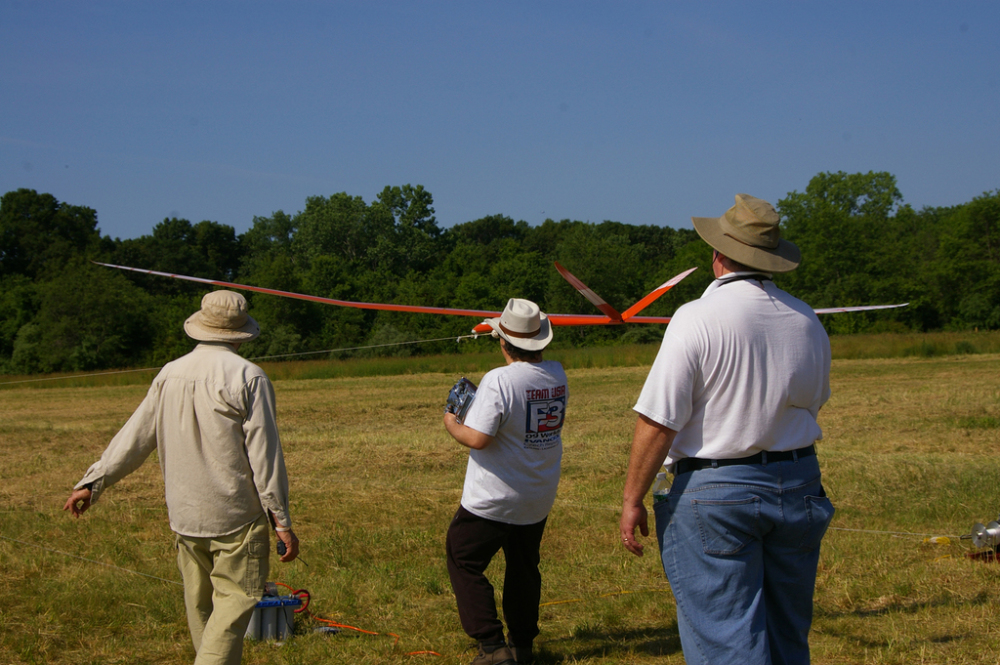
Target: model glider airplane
609, 316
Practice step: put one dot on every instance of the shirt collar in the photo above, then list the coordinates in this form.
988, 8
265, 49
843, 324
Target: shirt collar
217, 346
722, 281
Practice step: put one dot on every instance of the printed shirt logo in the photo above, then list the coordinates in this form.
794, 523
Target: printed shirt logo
546, 415
546, 410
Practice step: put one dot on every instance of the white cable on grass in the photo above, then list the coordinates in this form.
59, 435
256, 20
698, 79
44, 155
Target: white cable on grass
101, 563
892, 533
136, 572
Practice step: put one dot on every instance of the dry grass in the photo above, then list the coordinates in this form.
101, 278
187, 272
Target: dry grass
910, 447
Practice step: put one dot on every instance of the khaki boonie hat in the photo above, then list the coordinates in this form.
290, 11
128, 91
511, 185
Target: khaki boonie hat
222, 318
749, 233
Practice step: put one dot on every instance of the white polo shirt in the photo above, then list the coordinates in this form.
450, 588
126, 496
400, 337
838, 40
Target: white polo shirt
743, 369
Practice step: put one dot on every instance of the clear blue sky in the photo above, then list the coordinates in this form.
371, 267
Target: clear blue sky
640, 112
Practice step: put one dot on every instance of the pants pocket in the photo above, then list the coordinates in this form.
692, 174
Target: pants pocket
727, 526
257, 565
819, 513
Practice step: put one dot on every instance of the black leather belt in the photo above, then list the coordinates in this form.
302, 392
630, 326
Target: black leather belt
697, 463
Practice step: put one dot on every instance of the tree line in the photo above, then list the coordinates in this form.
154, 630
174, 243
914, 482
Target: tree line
861, 244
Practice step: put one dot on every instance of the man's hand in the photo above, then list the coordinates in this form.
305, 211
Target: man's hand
291, 545
78, 502
650, 445
633, 516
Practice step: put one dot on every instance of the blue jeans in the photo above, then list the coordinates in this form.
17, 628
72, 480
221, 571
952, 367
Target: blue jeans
740, 546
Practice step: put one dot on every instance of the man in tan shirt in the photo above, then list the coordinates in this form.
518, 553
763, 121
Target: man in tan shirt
210, 416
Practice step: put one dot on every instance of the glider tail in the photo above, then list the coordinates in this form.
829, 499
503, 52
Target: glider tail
596, 300
608, 310
654, 294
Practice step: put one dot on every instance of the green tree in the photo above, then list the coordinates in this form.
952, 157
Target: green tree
206, 249
482, 232
837, 224
968, 269
88, 318
844, 226
38, 234
270, 260
18, 304
415, 229
334, 227
266, 237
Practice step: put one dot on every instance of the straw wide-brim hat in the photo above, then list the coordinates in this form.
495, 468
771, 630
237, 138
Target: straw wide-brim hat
523, 325
748, 233
222, 318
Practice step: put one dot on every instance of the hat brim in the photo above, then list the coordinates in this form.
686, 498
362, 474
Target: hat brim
195, 329
536, 343
784, 258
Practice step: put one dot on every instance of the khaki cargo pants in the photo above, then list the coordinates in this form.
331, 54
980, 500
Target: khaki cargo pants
223, 581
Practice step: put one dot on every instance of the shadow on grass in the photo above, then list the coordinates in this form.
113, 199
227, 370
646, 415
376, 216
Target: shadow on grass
898, 607
609, 643
857, 637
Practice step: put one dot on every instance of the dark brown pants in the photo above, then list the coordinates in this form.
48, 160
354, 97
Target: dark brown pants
472, 543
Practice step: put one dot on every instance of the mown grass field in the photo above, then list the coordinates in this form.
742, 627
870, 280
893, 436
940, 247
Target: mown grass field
910, 451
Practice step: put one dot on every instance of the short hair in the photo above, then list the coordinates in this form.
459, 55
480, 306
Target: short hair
736, 266
522, 355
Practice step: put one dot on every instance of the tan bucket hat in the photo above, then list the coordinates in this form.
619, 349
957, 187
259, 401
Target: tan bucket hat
523, 325
749, 233
222, 318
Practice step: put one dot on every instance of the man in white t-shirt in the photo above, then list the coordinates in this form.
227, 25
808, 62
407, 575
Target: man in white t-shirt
730, 408
513, 429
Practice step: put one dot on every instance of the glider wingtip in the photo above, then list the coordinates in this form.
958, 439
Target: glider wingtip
656, 293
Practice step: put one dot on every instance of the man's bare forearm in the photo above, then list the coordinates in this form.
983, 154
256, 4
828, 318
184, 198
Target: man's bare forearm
650, 445
467, 436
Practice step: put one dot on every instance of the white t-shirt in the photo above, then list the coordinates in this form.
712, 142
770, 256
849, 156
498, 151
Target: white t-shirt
743, 369
514, 479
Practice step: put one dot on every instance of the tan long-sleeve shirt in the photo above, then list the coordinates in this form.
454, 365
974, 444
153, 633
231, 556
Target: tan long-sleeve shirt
211, 417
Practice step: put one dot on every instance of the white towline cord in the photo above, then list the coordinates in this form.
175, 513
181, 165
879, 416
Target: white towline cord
373, 346
283, 355
100, 563
893, 533
161, 579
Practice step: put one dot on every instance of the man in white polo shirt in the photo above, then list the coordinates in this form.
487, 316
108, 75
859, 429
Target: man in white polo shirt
730, 407
513, 430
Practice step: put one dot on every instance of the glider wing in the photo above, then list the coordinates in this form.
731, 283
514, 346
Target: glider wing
420, 309
610, 317
858, 308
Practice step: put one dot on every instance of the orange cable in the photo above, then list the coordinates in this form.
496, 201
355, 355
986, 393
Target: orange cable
331, 622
